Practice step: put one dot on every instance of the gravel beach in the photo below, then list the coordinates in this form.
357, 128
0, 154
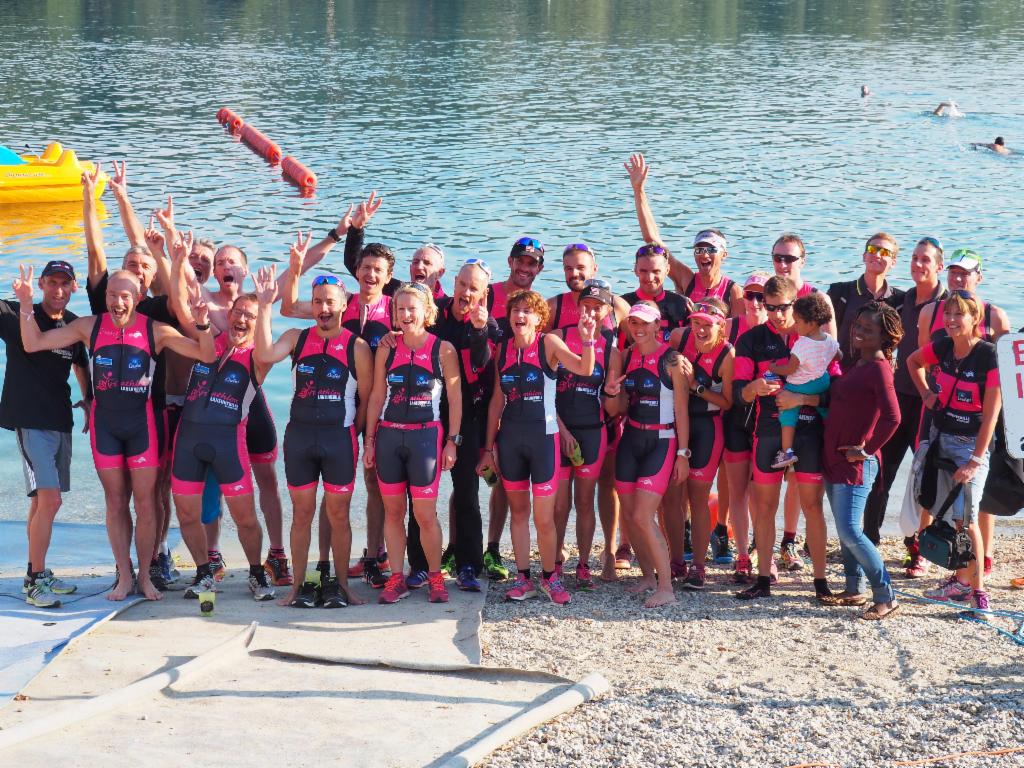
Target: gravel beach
711, 681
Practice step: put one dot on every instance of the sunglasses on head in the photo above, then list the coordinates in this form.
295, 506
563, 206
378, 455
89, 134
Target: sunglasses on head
326, 280
598, 282
417, 286
573, 247
753, 295
651, 250
778, 307
963, 294
784, 258
483, 265
530, 242
709, 309
932, 241
701, 250
881, 250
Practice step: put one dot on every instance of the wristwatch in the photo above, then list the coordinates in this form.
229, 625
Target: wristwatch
333, 234
684, 452
456, 440
202, 327
700, 389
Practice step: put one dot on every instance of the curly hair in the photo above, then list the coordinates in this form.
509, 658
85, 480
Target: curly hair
533, 301
423, 294
813, 308
889, 322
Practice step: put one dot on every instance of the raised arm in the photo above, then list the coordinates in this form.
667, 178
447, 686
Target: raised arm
298, 256
35, 340
325, 246
354, 227
479, 335
558, 352
129, 221
288, 285
637, 169
93, 232
202, 348
182, 292
453, 388
267, 352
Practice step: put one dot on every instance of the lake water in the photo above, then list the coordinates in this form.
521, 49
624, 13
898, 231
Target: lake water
483, 121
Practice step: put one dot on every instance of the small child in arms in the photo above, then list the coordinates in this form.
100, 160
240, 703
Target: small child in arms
807, 369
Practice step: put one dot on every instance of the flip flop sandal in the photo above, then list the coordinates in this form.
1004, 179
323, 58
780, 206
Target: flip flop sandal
843, 600
872, 613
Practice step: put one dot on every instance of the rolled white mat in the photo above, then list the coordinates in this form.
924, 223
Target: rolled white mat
99, 705
590, 686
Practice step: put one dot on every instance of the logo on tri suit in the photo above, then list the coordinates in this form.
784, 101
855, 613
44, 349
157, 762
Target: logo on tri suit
333, 373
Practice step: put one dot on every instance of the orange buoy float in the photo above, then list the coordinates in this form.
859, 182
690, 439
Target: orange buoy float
298, 173
259, 142
229, 120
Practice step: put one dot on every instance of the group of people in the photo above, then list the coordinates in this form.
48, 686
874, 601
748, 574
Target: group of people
625, 407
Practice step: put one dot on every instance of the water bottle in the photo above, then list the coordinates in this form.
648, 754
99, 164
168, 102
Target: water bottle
576, 457
490, 477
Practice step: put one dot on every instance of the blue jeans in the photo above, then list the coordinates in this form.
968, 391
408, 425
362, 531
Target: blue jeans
860, 557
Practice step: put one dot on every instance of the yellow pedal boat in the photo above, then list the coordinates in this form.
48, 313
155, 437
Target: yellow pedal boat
52, 177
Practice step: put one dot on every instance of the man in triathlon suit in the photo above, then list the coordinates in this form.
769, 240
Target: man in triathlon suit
123, 345
525, 262
463, 322
332, 367
651, 269
211, 437
789, 256
580, 265
710, 249
926, 263
36, 405
848, 297
756, 349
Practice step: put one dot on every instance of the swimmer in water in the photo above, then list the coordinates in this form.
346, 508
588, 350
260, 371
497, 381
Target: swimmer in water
864, 91
948, 109
998, 146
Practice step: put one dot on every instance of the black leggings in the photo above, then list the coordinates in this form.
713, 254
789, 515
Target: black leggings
904, 438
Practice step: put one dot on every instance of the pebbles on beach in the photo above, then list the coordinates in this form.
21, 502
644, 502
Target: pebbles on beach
712, 681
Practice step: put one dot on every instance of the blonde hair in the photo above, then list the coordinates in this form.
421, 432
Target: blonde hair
425, 297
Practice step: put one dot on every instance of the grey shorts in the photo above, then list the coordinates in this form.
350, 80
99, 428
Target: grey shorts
46, 459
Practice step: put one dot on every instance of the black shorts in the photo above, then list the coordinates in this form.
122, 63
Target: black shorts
315, 451
217, 448
738, 437
167, 421
527, 455
807, 444
126, 438
706, 443
409, 457
260, 434
644, 461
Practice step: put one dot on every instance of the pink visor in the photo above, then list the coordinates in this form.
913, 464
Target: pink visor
709, 313
645, 312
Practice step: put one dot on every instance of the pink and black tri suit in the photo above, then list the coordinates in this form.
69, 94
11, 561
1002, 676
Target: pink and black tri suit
579, 405
409, 436
123, 363
707, 441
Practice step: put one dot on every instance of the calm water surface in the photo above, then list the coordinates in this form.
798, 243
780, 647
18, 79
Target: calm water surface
483, 121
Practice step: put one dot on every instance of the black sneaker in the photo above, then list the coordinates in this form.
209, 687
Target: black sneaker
753, 593
157, 577
687, 544
331, 594
373, 575
306, 597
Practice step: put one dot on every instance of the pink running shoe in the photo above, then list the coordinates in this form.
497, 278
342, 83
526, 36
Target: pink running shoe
744, 573
917, 567
679, 570
438, 592
950, 589
553, 588
584, 579
522, 589
394, 589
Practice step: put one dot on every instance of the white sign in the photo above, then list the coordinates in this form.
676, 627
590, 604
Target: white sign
1010, 349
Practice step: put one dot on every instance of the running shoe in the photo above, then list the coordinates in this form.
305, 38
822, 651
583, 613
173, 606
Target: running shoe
438, 591
467, 580
394, 589
383, 562
217, 566
260, 587
623, 557
447, 562
307, 596
950, 589
167, 570
679, 570
687, 543
554, 590
979, 605
784, 459
752, 593
744, 573
157, 577
791, 559
496, 570
356, 571
41, 595
558, 570
522, 589
1017, 583
917, 567
331, 595
199, 584
695, 579
416, 579
374, 575
57, 586
721, 548
277, 571
584, 580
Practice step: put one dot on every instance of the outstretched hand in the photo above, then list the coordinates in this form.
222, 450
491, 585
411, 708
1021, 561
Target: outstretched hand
587, 327
166, 216
182, 246
119, 181
266, 285
23, 285
297, 252
154, 237
366, 210
89, 182
637, 169
200, 311
346, 221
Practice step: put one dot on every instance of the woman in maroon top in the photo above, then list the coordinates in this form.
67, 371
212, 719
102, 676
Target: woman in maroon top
863, 415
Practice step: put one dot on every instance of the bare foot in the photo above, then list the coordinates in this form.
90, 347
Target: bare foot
122, 589
642, 585
148, 590
351, 597
286, 601
660, 598
608, 572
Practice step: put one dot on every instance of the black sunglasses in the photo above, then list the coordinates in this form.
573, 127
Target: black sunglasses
778, 307
784, 258
753, 296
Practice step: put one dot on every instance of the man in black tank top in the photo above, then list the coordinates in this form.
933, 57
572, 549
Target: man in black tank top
651, 269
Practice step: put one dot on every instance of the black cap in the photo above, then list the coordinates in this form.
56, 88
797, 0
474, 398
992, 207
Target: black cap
528, 246
58, 267
597, 289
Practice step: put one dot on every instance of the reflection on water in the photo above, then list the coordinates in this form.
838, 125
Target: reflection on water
482, 121
51, 230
